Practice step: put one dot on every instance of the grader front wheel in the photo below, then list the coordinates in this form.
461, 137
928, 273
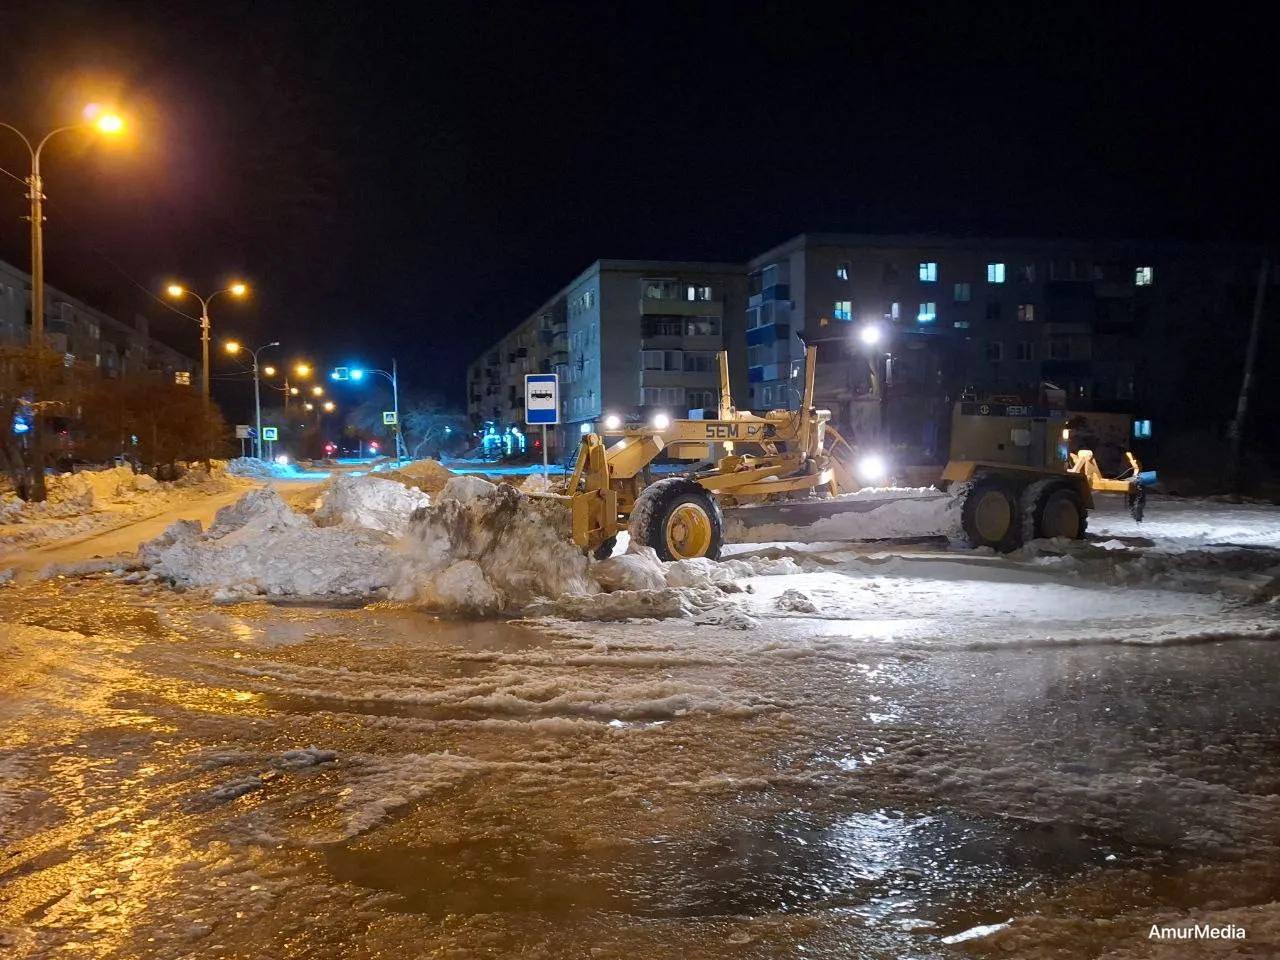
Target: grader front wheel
679, 519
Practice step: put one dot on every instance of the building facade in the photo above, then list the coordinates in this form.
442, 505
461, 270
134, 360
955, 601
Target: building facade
87, 336
984, 317
1154, 331
625, 337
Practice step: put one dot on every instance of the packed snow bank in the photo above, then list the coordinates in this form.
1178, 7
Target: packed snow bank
259, 546
873, 514
479, 548
370, 502
89, 501
485, 547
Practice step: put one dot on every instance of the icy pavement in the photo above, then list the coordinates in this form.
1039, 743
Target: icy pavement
883, 753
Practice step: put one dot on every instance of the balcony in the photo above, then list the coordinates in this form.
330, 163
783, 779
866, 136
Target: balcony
779, 291
768, 333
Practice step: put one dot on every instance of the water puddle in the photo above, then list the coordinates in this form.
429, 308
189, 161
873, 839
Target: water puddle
936, 872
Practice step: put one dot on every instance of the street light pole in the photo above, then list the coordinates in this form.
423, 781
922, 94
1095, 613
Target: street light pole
395, 405
106, 123
177, 290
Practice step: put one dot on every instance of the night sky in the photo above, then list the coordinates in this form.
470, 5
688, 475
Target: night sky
412, 180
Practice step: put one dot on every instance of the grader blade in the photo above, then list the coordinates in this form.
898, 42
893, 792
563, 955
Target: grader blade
847, 518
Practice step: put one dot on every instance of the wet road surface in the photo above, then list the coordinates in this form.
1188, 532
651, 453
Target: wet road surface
263, 781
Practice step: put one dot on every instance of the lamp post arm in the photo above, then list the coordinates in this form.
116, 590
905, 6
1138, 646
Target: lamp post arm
27, 143
35, 156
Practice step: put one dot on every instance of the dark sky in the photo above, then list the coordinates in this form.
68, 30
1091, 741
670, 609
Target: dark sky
413, 179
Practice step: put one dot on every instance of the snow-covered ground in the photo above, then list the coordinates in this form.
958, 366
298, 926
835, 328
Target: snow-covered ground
823, 750
85, 503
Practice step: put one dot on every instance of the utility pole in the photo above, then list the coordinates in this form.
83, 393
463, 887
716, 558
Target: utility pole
107, 123
1246, 383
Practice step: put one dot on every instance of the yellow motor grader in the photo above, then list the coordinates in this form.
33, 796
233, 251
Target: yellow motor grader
1014, 483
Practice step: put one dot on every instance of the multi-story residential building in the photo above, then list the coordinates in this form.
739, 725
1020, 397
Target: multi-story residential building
87, 336
985, 316
629, 337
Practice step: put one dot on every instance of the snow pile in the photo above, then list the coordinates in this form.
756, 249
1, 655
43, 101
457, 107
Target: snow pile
484, 547
535, 483
369, 502
428, 475
873, 514
258, 469
259, 546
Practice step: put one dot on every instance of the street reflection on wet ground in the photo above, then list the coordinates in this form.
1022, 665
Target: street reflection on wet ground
488, 789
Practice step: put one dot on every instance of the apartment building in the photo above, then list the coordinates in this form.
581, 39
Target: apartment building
629, 337
87, 336
982, 316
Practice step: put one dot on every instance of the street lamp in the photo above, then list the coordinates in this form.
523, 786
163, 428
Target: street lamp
177, 291
357, 374
106, 123
234, 347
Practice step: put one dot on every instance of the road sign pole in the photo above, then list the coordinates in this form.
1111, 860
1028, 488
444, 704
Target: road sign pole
546, 472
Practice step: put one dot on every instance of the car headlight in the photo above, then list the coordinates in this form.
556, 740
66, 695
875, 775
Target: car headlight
612, 422
661, 421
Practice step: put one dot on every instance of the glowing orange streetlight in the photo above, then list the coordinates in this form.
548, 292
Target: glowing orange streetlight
177, 291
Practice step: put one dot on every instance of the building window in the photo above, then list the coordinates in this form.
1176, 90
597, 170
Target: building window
753, 317
895, 310
995, 273
692, 292
890, 273
929, 271
700, 399
1144, 276
1028, 273
993, 309
842, 271
1026, 350
699, 361
843, 310
702, 327
1142, 429
961, 324
661, 290
962, 293
995, 350
1059, 348
1026, 312
928, 312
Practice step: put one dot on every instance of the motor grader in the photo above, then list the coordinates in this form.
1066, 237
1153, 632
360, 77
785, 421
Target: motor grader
1006, 467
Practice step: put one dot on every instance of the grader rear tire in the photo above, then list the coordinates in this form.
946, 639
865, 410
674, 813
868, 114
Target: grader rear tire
990, 516
679, 519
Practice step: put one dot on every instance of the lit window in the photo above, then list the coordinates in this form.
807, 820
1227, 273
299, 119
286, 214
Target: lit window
692, 292
1144, 276
1027, 312
928, 312
995, 350
961, 324
895, 310
1142, 429
995, 273
843, 310
842, 271
962, 293
929, 271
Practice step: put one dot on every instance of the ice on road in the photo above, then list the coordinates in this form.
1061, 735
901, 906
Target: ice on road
877, 751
